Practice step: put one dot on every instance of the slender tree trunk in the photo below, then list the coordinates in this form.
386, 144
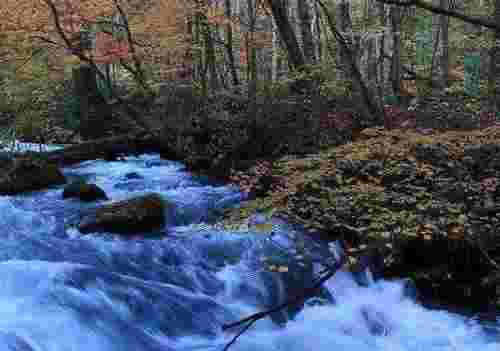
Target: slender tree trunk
396, 55
252, 53
344, 26
305, 16
287, 34
370, 112
494, 80
210, 59
319, 46
440, 65
230, 43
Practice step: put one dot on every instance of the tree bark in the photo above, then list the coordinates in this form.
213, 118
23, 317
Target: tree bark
306, 22
440, 65
344, 26
287, 34
370, 112
229, 43
210, 59
396, 56
495, 62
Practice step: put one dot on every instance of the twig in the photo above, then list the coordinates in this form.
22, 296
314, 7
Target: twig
307, 292
239, 334
487, 256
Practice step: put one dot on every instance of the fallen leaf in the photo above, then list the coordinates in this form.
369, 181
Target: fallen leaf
263, 227
282, 269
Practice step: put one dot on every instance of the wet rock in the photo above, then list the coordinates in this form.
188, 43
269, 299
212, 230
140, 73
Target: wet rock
372, 168
133, 175
349, 168
404, 171
198, 162
142, 214
435, 154
469, 162
83, 191
410, 290
436, 209
486, 209
6, 160
29, 174
454, 192
264, 185
408, 189
457, 170
483, 157
399, 201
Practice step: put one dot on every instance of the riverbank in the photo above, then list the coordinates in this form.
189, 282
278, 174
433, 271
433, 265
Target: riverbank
430, 203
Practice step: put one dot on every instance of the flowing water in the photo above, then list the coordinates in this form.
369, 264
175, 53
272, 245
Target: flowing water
63, 291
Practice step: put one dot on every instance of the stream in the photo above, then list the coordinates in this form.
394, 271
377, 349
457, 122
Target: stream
64, 291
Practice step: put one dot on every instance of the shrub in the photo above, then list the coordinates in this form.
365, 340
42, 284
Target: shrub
26, 96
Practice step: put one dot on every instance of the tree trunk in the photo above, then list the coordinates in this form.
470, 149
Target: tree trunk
344, 26
306, 18
396, 56
210, 59
83, 83
287, 34
319, 48
494, 80
230, 44
440, 66
370, 112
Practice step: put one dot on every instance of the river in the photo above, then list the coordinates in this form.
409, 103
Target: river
64, 291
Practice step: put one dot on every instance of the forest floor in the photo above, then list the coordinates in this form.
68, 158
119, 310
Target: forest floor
434, 197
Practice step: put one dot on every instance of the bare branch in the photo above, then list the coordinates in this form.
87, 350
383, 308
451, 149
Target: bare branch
480, 21
90, 61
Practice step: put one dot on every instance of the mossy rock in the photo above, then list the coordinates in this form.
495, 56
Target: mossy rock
29, 174
142, 214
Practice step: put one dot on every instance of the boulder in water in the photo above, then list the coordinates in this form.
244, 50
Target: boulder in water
29, 174
133, 175
142, 214
84, 191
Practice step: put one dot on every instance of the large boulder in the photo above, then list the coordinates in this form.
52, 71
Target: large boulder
84, 191
29, 174
142, 214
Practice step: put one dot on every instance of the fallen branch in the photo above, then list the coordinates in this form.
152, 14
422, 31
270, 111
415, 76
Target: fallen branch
307, 293
128, 144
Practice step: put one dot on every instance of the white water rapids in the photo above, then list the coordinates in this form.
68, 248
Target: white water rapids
63, 291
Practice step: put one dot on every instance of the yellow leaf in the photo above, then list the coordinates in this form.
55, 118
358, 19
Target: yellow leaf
263, 227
